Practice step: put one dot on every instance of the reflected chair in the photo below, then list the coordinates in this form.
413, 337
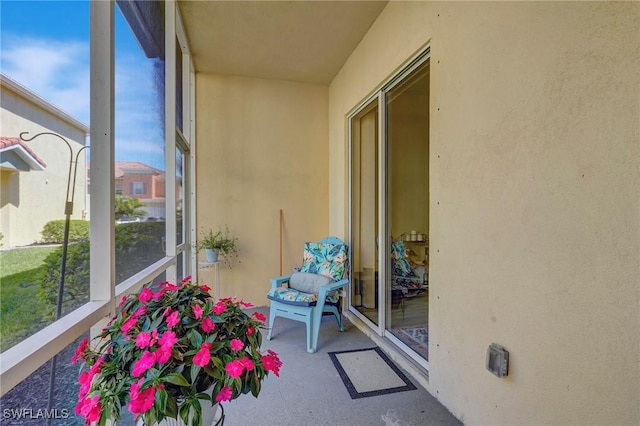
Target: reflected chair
306, 295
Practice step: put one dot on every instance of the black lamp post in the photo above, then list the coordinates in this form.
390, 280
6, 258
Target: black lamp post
68, 211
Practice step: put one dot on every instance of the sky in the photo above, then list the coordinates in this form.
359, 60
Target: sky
44, 46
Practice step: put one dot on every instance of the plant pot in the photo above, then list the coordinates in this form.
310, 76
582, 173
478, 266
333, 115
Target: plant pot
212, 415
211, 255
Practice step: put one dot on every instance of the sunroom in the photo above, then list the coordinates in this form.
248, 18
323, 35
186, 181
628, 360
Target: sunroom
479, 160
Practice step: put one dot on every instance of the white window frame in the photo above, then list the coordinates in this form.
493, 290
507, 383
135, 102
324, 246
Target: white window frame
18, 362
185, 141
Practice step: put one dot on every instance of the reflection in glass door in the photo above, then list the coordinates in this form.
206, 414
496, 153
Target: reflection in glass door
407, 132
364, 211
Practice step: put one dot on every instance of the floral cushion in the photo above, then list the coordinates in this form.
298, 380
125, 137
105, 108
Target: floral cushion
401, 266
296, 297
325, 259
408, 283
398, 250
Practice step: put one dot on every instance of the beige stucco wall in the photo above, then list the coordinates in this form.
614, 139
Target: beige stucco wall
262, 147
534, 218
28, 200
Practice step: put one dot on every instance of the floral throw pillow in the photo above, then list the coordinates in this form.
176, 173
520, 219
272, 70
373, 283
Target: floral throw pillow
325, 259
401, 266
398, 250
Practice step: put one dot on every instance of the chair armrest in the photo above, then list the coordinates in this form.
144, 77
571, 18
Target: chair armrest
322, 292
278, 281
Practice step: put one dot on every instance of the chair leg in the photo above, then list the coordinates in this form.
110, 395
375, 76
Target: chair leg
338, 316
337, 313
311, 340
316, 319
272, 317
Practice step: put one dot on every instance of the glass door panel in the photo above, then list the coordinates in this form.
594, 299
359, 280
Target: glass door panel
407, 290
140, 177
364, 211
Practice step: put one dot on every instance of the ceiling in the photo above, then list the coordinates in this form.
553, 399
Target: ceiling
305, 41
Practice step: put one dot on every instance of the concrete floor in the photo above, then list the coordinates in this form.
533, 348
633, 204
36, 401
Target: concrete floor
309, 390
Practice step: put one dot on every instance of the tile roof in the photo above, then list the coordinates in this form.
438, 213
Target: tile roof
122, 167
7, 143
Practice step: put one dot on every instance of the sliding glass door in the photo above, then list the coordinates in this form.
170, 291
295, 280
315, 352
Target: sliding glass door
407, 131
389, 209
364, 211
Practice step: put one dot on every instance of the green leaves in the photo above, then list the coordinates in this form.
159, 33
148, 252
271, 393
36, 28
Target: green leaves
176, 379
128, 207
161, 400
195, 369
195, 338
255, 386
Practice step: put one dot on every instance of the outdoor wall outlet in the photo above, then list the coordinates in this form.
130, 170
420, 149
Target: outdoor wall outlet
498, 360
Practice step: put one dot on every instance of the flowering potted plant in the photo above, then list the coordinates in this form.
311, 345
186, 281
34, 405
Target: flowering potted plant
169, 351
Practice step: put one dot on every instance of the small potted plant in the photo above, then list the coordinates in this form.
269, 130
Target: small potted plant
218, 243
171, 355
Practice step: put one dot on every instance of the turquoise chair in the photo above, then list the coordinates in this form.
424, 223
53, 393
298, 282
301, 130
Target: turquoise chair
313, 291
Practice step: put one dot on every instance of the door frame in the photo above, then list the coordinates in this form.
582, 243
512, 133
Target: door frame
384, 244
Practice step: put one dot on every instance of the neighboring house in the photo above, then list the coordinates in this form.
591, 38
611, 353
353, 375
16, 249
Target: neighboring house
138, 180
141, 181
34, 174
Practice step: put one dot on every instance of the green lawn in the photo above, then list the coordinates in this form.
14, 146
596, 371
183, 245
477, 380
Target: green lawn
21, 307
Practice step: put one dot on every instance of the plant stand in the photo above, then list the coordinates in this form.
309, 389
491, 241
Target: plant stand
204, 265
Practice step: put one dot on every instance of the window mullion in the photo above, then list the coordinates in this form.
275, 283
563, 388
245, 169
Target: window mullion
170, 133
102, 228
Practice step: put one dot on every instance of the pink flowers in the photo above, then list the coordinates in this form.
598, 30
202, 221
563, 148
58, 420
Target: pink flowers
271, 362
90, 409
207, 325
145, 295
128, 324
139, 312
173, 319
141, 402
146, 339
164, 341
237, 345
259, 316
234, 369
168, 339
79, 353
144, 363
224, 394
85, 383
247, 363
203, 356
197, 311
171, 287
163, 354
219, 308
